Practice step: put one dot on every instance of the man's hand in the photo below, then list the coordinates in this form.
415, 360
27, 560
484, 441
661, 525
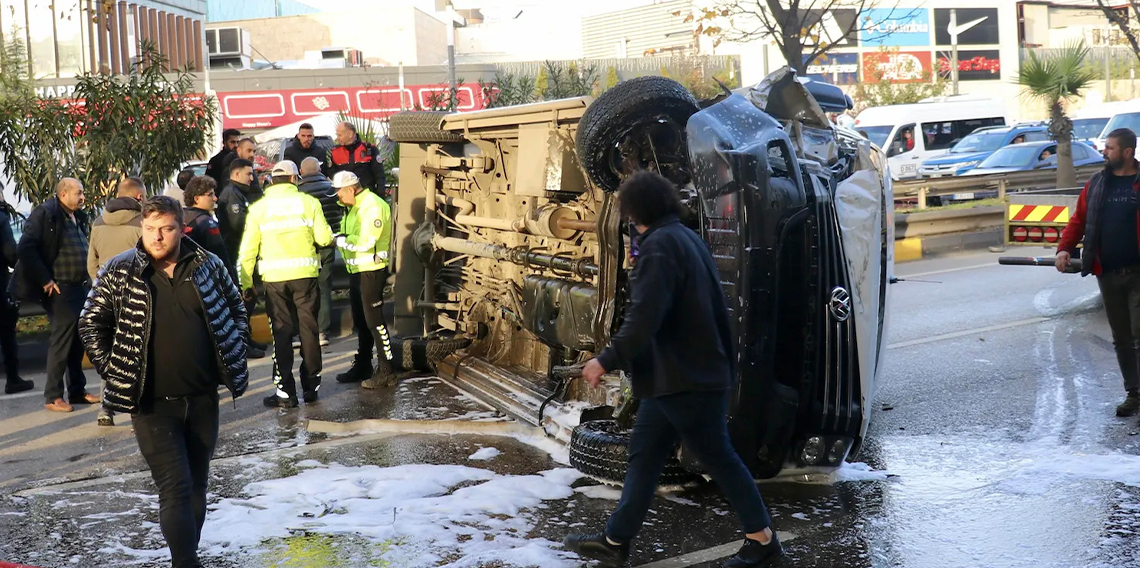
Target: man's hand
249, 295
51, 288
593, 372
1063, 258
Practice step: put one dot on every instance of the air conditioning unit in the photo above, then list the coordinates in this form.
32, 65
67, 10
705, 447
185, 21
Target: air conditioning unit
228, 42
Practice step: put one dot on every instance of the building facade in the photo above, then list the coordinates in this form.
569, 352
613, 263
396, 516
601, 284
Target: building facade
66, 38
229, 10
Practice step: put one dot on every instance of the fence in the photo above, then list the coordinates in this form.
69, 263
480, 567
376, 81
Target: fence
1002, 183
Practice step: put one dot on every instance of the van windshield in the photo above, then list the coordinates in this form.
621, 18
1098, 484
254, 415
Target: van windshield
1088, 128
876, 134
1130, 121
980, 142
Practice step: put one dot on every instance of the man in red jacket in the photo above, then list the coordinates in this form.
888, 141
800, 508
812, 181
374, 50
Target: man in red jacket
1108, 220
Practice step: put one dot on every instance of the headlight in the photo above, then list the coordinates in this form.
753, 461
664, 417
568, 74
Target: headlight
813, 451
969, 164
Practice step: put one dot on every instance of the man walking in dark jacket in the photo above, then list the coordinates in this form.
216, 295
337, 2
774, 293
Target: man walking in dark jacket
356, 156
1107, 218
676, 342
9, 312
53, 270
167, 327
314, 183
304, 146
217, 165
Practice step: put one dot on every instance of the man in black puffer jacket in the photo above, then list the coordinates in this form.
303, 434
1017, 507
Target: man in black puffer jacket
165, 326
304, 145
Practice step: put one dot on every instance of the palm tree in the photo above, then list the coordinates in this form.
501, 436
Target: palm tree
1055, 79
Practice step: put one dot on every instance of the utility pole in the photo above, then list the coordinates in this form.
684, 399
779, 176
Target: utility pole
1107, 64
954, 30
454, 91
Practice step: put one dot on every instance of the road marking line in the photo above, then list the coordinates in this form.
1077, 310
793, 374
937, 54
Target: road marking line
947, 270
964, 333
707, 555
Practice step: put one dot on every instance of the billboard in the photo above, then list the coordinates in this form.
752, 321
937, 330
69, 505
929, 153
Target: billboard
980, 65
895, 27
837, 27
835, 68
984, 33
897, 66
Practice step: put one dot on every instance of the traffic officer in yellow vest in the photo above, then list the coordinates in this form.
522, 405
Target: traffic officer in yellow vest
282, 233
366, 231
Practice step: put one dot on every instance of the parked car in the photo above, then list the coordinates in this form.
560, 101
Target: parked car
971, 150
510, 243
1034, 156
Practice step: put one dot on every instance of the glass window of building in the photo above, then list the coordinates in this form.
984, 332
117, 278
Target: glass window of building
70, 33
41, 35
13, 23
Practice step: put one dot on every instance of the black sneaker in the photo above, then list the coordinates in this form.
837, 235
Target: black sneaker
18, 385
755, 555
274, 401
358, 372
596, 547
252, 352
310, 397
1130, 405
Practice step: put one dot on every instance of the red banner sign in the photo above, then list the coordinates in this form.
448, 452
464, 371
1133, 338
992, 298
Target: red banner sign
897, 66
270, 109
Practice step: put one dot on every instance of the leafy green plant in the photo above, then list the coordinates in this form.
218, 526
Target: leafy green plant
1055, 79
145, 124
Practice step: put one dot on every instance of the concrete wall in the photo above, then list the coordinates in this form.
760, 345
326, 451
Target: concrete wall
537, 34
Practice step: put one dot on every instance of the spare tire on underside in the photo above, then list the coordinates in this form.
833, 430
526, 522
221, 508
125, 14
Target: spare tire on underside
422, 354
626, 115
600, 449
420, 127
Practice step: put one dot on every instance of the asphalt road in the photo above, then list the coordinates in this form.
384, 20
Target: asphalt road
993, 436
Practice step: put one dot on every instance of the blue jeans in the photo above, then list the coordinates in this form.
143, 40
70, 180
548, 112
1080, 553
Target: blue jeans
699, 419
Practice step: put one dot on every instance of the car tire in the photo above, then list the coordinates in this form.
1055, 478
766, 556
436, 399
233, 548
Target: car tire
600, 449
418, 127
423, 354
628, 105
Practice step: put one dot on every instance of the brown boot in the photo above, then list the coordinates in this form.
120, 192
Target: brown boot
1130, 406
59, 405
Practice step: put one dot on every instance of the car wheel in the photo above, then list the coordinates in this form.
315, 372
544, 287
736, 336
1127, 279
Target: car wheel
637, 125
600, 449
423, 354
420, 127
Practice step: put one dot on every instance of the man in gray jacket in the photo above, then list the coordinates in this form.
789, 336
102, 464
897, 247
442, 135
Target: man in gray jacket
116, 230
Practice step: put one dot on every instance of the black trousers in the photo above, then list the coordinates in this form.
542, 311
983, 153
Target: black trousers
1120, 291
324, 282
65, 352
9, 315
292, 307
366, 293
177, 439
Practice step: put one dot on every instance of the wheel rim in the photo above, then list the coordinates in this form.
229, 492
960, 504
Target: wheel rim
656, 144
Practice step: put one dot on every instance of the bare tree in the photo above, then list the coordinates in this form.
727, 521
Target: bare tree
1120, 16
803, 29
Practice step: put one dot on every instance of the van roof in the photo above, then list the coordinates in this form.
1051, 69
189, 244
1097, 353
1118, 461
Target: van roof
932, 111
1108, 110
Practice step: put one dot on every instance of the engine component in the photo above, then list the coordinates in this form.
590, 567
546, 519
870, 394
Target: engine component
522, 256
560, 312
544, 220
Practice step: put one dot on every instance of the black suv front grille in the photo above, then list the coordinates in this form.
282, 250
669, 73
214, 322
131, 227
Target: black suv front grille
837, 394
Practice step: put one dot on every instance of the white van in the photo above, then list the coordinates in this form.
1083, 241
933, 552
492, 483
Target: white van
1125, 114
942, 122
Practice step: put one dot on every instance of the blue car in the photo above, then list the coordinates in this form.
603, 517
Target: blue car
1034, 156
977, 146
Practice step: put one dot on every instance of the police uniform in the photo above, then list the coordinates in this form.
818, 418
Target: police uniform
282, 233
366, 233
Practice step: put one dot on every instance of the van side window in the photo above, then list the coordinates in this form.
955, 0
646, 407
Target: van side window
943, 135
903, 142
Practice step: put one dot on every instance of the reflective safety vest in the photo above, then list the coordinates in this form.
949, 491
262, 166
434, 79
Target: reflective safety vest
367, 232
282, 233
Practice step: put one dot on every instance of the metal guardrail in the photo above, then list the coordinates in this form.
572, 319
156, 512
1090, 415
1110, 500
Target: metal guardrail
931, 223
1015, 181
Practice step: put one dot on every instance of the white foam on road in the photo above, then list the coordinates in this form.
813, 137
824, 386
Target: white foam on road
484, 454
426, 515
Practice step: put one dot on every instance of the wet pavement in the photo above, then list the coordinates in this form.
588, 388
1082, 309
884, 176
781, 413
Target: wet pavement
993, 436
